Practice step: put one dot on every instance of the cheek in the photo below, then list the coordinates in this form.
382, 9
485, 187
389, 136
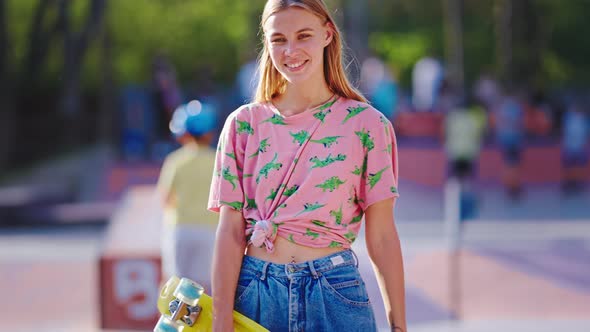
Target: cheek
275, 56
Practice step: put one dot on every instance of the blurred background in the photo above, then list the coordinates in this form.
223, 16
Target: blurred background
489, 99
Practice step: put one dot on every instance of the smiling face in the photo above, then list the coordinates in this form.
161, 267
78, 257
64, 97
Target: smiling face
296, 39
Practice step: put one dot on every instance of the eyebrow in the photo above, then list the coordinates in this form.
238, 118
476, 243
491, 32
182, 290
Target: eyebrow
299, 31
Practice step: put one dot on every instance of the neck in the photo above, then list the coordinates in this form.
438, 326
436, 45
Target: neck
301, 97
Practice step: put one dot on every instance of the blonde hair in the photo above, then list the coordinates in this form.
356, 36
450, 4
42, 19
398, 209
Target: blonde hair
272, 84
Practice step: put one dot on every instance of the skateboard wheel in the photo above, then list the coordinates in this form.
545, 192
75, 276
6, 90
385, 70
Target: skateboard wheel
188, 291
165, 324
166, 293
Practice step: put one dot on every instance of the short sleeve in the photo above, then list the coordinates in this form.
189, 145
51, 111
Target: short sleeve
381, 179
226, 185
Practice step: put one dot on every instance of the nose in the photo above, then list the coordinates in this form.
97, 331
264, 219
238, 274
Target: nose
290, 48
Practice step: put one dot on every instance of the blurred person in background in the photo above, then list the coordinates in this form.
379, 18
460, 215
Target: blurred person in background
188, 227
301, 166
508, 122
575, 134
464, 129
378, 84
427, 77
486, 91
246, 82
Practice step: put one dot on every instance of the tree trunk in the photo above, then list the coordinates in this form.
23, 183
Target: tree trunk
39, 40
7, 102
75, 47
453, 18
107, 130
503, 18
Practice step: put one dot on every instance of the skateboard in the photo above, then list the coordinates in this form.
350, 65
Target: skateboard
184, 307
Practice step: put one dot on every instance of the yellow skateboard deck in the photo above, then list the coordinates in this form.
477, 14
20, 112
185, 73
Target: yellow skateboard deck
192, 309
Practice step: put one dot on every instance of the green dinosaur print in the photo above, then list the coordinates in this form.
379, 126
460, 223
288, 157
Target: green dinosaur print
318, 163
337, 214
300, 137
335, 244
327, 141
331, 184
291, 238
295, 161
244, 127
357, 171
309, 232
290, 191
235, 205
229, 177
275, 120
356, 219
269, 167
353, 111
319, 223
366, 139
276, 213
374, 178
350, 236
393, 190
251, 203
328, 104
247, 175
321, 115
384, 121
273, 194
262, 147
362, 171
388, 149
308, 207
355, 200
231, 155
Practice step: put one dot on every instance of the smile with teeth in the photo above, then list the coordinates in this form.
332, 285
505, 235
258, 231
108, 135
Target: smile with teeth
296, 65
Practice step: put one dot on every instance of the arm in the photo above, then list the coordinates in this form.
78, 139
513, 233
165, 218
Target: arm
230, 243
384, 250
165, 184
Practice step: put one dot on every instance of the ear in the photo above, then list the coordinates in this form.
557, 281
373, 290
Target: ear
329, 34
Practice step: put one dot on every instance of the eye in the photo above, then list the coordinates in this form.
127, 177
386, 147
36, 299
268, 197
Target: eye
277, 40
304, 36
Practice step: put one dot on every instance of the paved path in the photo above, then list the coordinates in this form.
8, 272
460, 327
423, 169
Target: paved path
509, 283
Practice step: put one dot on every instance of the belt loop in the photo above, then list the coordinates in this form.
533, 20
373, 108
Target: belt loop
264, 269
356, 259
314, 273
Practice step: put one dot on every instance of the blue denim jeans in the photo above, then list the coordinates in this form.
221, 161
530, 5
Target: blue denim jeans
327, 294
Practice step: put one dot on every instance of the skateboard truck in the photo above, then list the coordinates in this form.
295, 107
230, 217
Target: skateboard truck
183, 304
187, 313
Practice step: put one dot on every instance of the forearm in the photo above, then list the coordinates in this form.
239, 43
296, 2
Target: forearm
227, 260
386, 256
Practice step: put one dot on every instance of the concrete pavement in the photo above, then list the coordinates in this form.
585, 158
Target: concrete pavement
510, 281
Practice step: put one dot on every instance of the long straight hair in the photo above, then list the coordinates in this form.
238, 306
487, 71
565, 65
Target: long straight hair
272, 84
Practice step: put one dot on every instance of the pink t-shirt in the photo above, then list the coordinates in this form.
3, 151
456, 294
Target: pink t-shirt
309, 176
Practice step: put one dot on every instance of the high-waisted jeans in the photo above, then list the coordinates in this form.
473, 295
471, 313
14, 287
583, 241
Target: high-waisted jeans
326, 294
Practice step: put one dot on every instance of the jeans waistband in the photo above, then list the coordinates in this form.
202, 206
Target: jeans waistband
310, 268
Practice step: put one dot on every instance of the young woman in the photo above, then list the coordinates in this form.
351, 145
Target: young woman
296, 171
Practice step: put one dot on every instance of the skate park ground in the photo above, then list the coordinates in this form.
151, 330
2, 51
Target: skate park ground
521, 266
